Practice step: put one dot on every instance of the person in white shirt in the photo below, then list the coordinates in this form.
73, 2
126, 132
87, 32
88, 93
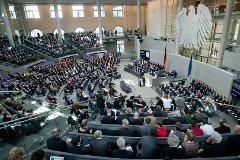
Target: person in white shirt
206, 128
167, 101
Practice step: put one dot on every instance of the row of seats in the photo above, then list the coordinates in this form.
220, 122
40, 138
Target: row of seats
125, 88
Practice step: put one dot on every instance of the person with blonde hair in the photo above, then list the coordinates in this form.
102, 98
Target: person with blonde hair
16, 153
129, 112
191, 147
83, 127
223, 128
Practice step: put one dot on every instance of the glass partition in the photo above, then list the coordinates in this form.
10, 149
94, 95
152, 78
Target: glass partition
29, 131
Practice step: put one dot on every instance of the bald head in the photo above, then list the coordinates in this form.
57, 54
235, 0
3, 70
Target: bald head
136, 115
237, 129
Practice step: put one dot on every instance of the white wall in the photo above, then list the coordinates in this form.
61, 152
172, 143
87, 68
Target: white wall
218, 79
150, 43
231, 60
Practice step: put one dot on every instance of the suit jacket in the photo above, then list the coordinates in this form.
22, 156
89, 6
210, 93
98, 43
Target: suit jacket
144, 130
223, 129
180, 135
56, 144
199, 117
149, 147
77, 149
180, 102
174, 153
99, 147
214, 150
168, 121
108, 120
100, 101
123, 154
136, 122
120, 118
125, 132
232, 145
160, 103
158, 113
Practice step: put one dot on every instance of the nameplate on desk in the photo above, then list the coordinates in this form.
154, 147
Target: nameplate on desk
56, 158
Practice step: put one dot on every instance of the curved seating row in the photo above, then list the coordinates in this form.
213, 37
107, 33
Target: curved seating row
126, 69
70, 156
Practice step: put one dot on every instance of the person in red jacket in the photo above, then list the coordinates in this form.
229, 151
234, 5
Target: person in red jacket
195, 129
161, 130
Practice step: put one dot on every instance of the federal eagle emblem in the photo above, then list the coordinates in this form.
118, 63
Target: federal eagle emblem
192, 30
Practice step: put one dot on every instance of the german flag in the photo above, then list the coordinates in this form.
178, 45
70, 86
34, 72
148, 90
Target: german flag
165, 58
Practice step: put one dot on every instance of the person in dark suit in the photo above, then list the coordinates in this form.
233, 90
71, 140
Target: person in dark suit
158, 112
55, 142
121, 117
136, 120
223, 128
232, 144
125, 131
213, 146
159, 103
76, 147
100, 102
145, 129
173, 151
166, 120
147, 146
200, 115
99, 147
122, 152
108, 119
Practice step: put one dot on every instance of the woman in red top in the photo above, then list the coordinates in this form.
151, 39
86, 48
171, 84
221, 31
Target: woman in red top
161, 130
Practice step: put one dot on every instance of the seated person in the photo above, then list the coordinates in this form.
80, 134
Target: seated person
141, 104
223, 128
16, 153
38, 155
83, 127
213, 146
173, 151
161, 130
76, 147
67, 99
129, 112
99, 147
232, 144
144, 130
206, 128
147, 146
141, 114
197, 131
187, 116
125, 131
136, 120
191, 147
108, 119
122, 152
158, 112
121, 116
55, 142
178, 133
150, 115
200, 115
166, 120
51, 99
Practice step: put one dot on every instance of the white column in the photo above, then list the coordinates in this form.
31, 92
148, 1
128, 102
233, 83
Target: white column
238, 36
224, 37
57, 21
6, 23
234, 26
138, 26
100, 22
180, 6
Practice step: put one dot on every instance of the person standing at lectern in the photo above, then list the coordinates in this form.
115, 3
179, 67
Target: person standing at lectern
143, 79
